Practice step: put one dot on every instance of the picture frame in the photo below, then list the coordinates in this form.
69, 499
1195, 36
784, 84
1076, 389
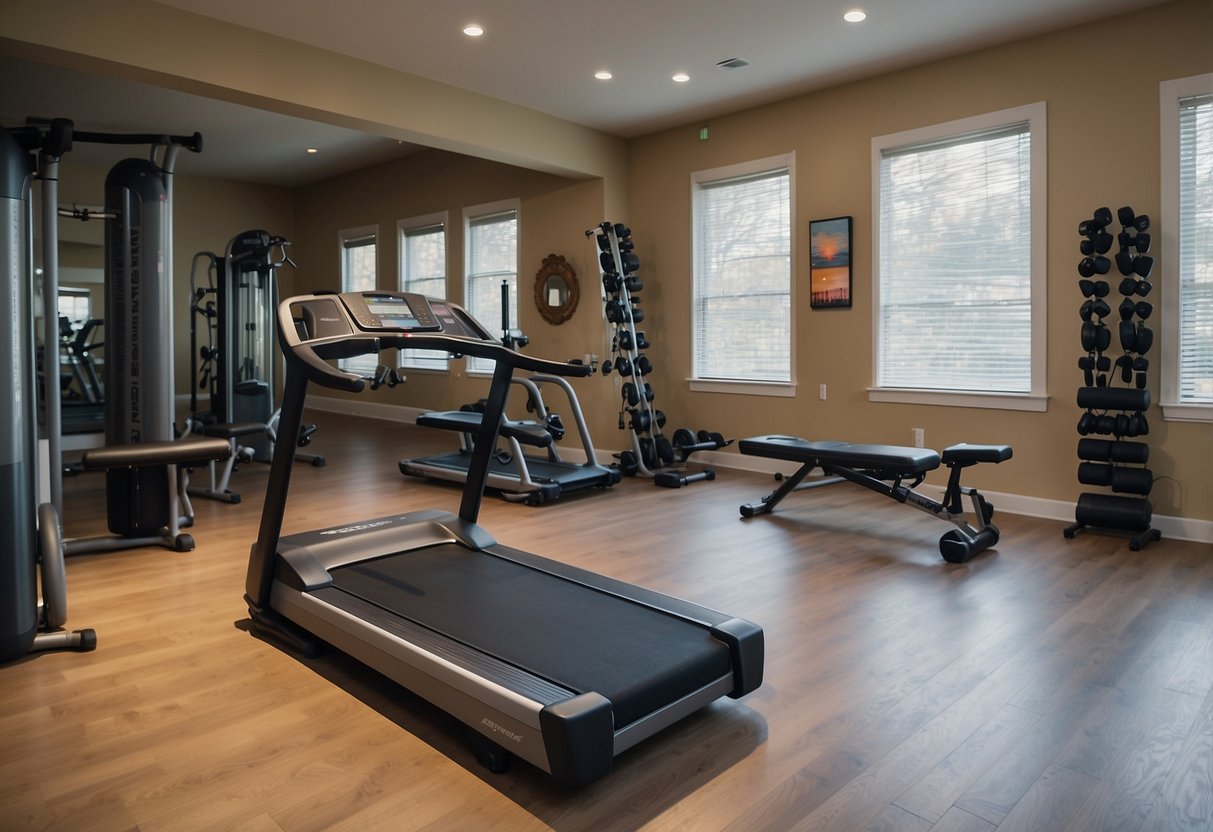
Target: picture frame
830, 263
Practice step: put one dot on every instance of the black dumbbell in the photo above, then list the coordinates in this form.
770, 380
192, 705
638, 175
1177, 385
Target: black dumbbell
610, 282
633, 283
1094, 288
643, 365
627, 342
1089, 266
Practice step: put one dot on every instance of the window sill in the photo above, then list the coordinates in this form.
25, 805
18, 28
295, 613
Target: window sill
985, 401
1176, 412
780, 389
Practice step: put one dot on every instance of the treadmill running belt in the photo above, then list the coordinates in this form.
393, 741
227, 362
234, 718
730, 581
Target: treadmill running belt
580, 638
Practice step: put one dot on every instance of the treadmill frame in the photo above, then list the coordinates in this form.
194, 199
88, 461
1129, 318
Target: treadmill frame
291, 598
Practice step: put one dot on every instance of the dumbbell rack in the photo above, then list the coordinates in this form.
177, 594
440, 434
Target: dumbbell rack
1118, 412
618, 265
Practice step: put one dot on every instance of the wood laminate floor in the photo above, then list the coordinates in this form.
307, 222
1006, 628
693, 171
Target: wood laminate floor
1046, 685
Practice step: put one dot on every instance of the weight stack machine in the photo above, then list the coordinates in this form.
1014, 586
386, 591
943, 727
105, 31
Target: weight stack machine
1114, 396
651, 449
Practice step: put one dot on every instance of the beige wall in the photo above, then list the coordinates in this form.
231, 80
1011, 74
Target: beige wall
1100, 82
553, 216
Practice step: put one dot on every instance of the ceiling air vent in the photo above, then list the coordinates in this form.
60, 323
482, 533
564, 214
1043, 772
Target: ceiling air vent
732, 63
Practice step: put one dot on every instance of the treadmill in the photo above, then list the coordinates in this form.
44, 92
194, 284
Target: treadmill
516, 475
556, 665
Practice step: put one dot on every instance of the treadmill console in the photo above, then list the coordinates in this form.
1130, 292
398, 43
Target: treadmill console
391, 311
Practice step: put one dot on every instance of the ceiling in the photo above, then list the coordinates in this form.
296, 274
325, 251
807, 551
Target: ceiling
541, 54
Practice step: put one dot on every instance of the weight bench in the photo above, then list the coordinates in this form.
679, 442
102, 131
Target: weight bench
176, 457
220, 481
886, 469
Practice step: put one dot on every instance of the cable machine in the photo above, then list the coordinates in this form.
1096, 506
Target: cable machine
232, 357
31, 546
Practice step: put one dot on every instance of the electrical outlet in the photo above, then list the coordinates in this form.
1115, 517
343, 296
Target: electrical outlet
919, 438
821, 392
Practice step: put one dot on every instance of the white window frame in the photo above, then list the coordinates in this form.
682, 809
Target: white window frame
782, 389
1037, 397
365, 364
471, 213
1170, 93
423, 360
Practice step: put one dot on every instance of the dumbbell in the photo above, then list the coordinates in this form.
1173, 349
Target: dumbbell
611, 282
1096, 337
1132, 286
1089, 266
1097, 308
1142, 309
1136, 338
642, 365
642, 421
617, 311
1101, 219
1128, 240
1094, 288
1128, 219
632, 393
633, 283
627, 342
623, 365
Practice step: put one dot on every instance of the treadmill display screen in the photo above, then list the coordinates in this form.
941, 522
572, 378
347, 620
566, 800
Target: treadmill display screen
392, 312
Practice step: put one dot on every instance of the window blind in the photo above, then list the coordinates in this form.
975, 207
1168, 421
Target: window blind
492, 247
1195, 235
955, 264
423, 270
358, 270
743, 278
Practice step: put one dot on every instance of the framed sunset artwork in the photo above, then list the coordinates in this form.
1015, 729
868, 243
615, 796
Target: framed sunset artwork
830, 263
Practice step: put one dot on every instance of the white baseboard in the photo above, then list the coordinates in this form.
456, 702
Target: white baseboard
1175, 528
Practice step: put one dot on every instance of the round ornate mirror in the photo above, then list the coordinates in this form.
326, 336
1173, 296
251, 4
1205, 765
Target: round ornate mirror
556, 290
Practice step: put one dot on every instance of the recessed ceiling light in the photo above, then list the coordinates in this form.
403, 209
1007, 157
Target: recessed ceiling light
473, 30
313, 150
603, 75
732, 63
855, 16
681, 77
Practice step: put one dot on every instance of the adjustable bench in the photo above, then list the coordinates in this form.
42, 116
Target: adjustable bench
885, 469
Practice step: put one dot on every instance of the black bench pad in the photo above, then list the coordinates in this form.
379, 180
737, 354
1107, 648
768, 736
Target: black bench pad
890, 458
468, 421
976, 453
141, 454
230, 430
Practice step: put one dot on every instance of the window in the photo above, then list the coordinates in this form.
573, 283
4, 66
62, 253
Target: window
1186, 230
358, 274
423, 270
75, 305
742, 288
491, 258
959, 249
